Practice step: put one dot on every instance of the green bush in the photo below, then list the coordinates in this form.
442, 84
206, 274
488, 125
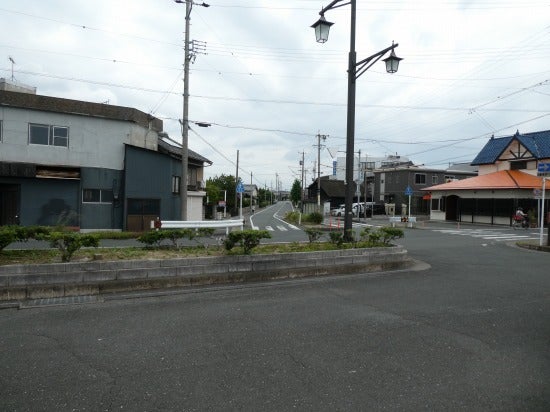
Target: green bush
151, 238
315, 217
7, 235
390, 233
14, 233
293, 217
336, 238
154, 238
247, 239
70, 242
382, 236
313, 234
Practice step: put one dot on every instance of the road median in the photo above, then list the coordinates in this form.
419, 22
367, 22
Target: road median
27, 282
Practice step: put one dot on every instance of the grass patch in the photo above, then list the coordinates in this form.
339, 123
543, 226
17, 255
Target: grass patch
12, 257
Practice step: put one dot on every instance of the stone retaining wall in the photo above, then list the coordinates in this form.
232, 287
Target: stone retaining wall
22, 282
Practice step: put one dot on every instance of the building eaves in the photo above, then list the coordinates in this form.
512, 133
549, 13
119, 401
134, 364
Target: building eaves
504, 179
538, 143
169, 146
79, 108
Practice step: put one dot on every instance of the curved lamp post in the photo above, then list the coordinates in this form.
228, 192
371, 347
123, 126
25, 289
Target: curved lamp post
355, 70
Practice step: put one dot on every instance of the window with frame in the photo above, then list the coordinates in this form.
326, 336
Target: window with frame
48, 135
420, 178
97, 196
176, 184
435, 179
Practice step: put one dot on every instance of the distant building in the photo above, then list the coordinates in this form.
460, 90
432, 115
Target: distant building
89, 165
390, 184
367, 164
507, 180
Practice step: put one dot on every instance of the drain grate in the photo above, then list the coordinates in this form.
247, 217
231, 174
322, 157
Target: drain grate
67, 300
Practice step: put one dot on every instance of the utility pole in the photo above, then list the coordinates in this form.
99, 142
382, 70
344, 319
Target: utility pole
185, 120
236, 178
276, 186
302, 192
319, 137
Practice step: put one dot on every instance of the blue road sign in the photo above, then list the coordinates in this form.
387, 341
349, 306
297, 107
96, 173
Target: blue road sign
240, 188
408, 191
544, 168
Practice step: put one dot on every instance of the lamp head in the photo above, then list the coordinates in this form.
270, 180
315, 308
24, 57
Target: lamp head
322, 27
392, 62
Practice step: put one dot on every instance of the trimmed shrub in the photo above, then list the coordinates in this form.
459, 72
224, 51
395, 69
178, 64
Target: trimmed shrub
390, 233
293, 217
336, 238
13, 233
70, 242
247, 239
314, 217
152, 238
313, 234
7, 235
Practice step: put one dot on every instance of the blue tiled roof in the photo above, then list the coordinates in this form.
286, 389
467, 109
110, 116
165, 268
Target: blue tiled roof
538, 143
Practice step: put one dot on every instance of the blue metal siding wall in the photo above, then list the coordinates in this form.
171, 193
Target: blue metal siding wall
104, 215
47, 202
149, 176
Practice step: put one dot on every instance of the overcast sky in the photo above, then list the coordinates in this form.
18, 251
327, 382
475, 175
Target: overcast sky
471, 69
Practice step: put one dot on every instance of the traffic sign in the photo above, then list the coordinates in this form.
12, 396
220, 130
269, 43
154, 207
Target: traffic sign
408, 191
240, 188
544, 168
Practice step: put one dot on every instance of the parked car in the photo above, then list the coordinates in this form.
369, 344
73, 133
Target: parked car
339, 211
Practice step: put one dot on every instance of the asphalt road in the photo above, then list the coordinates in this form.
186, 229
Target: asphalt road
471, 332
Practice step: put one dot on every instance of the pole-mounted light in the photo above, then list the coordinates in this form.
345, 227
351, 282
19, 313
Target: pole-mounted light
355, 70
322, 28
392, 62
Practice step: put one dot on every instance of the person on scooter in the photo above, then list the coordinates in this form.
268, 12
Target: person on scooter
521, 217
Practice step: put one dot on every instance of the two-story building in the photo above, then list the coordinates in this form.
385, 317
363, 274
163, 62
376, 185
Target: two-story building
89, 165
391, 183
507, 180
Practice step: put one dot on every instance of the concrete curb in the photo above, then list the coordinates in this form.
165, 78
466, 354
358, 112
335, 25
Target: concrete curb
28, 282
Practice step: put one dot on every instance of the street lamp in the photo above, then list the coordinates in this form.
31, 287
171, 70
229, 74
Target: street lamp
355, 70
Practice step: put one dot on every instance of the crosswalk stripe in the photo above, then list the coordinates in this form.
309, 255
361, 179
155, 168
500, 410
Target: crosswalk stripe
486, 234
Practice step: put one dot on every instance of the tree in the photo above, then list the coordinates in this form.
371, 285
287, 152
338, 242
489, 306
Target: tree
223, 183
265, 196
296, 192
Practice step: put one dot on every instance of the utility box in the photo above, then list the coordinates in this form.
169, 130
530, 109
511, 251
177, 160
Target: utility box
390, 209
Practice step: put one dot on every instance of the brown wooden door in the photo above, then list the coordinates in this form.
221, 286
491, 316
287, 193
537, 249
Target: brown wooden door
140, 213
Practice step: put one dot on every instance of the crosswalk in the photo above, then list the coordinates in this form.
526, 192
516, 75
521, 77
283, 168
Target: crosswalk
280, 228
496, 235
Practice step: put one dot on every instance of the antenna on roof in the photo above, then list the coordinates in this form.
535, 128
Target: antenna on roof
12, 63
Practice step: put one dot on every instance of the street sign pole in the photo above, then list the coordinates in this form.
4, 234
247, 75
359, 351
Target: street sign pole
543, 170
240, 191
542, 215
409, 193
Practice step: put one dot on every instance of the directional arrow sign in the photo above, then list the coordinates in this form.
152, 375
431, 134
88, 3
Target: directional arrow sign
408, 191
544, 168
240, 188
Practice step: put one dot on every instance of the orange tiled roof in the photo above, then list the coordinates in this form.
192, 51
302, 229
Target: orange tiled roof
505, 179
